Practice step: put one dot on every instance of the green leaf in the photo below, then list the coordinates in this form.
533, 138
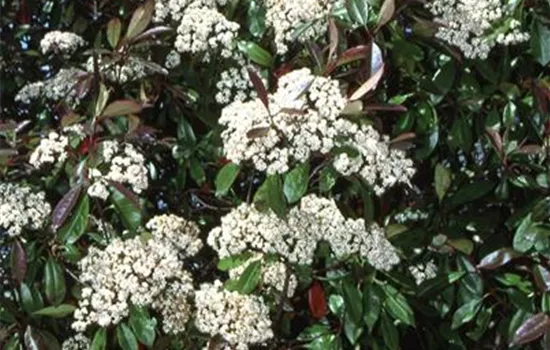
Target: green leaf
358, 11
353, 301
196, 171
525, 236
389, 333
250, 277
143, 326
372, 304
256, 18
54, 282
77, 222
397, 306
59, 311
225, 178
32, 339
471, 192
31, 300
296, 182
352, 330
466, 313
140, 19
114, 28
497, 258
327, 178
126, 339
233, 261
270, 195
540, 42
435, 285
100, 340
255, 53
442, 180
126, 207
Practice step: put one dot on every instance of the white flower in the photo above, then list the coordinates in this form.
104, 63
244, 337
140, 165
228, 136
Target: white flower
206, 31
124, 71
239, 319
77, 342
304, 118
122, 163
61, 42
20, 209
295, 239
422, 272
51, 149
173, 59
288, 16
61, 87
475, 26
184, 235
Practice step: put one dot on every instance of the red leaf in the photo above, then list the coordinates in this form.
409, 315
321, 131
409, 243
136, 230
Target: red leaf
356, 53
282, 70
19, 262
86, 145
259, 86
65, 206
317, 300
531, 329
23, 16
126, 192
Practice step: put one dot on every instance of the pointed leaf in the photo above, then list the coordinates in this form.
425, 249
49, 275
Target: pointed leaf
143, 326
100, 340
386, 13
122, 107
466, 313
65, 206
317, 300
225, 178
59, 311
259, 87
114, 28
77, 223
126, 339
296, 183
497, 258
127, 207
250, 278
19, 262
54, 282
534, 327
140, 19
369, 85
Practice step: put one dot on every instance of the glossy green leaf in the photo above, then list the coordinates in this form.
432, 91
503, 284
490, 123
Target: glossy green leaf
443, 180
143, 326
397, 306
77, 223
270, 195
540, 42
353, 301
54, 282
250, 278
31, 299
358, 11
255, 53
126, 206
59, 311
389, 332
296, 183
126, 339
233, 261
100, 340
372, 304
226, 177
466, 313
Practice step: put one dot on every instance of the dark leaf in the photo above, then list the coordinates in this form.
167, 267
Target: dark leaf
65, 206
397, 306
76, 226
466, 313
140, 19
59, 311
497, 258
143, 325
533, 328
100, 340
353, 301
122, 107
54, 282
369, 85
259, 87
317, 300
19, 262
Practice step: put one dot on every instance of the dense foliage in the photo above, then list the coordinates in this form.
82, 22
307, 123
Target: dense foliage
275, 174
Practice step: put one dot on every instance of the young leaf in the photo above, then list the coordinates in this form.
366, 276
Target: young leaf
65, 206
497, 258
259, 87
54, 282
19, 262
531, 329
466, 313
140, 19
256, 53
386, 13
121, 107
225, 178
317, 300
233, 261
114, 28
369, 85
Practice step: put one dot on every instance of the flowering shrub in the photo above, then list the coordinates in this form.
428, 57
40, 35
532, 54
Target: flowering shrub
278, 174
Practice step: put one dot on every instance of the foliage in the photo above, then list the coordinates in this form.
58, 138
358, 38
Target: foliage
478, 208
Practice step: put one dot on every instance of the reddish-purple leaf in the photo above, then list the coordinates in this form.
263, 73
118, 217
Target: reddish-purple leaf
356, 53
122, 107
260, 88
317, 300
126, 192
257, 132
369, 85
542, 277
150, 33
19, 262
533, 328
385, 107
404, 137
530, 149
496, 140
65, 206
333, 34
497, 258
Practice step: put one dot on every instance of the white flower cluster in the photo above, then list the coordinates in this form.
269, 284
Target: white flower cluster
206, 31
51, 149
234, 84
422, 272
173, 59
239, 319
475, 26
77, 342
315, 219
59, 87
124, 71
20, 209
120, 163
303, 118
410, 214
286, 17
133, 272
174, 9
273, 274
60, 42
183, 234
